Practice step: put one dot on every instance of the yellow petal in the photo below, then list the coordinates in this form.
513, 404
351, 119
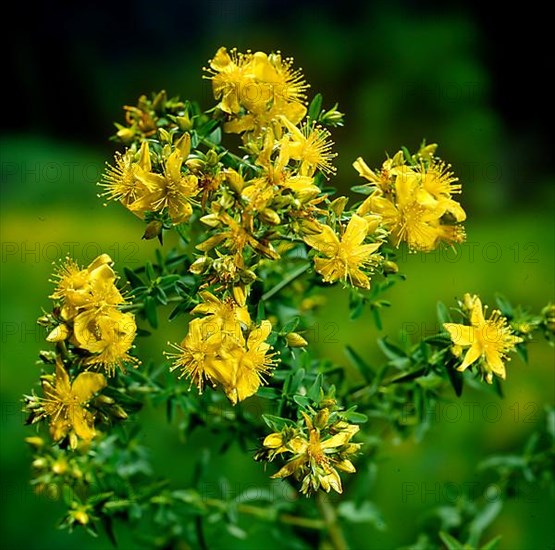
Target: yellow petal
461, 335
325, 242
471, 355
356, 231
495, 363
86, 385
60, 333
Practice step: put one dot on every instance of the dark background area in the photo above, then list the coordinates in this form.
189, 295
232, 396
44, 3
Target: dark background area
61, 52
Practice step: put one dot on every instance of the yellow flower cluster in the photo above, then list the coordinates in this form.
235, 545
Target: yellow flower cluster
488, 340
225, 348
317, 449
90, 317
257, 91
90, 332
414, 197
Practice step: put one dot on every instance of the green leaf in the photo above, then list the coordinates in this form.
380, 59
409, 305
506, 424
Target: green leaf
391, 351
150, 311
504, 305
276, 423
109, 528
367, 512
450, 542
302, 400
291, 325
360, 364
315, 107
443, 314
134, 280
482, 521
456, 378
492, 544
355, 417
314, 391
363, 189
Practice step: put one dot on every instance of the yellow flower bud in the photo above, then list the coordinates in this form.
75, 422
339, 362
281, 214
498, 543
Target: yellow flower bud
184, 122
59, 334
390, 267
338, 205
212, 220
200, 265
81, 517
235, 180
195, 165
40, 463
295, 340
270, 216
240, 295
59, 467
35, 441
153, 230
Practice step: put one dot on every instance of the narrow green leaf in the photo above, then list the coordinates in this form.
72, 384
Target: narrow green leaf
134, 280
360, 364
314, 391
150, 311
443, 314
315, 107
450, 542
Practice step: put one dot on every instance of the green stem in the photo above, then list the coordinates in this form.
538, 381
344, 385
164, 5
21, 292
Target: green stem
285, 282
329, 514
265, 514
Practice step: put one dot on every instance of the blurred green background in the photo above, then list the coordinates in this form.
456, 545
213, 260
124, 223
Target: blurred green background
401, 71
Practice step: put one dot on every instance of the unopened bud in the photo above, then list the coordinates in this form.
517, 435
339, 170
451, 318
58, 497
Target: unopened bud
295, 340
59, 334
59, 467
126, 135
118, 412
159, 102
247, 276
81, 517
200, 265
165, 136
390, 267
44, 320
270, 216
184, 122
40, 463
240, 295
47, 356
212, 220
311, 227
35, 441
195, 165
321, 419
338, 205
183, 145
234, 180
104, 400
153, 230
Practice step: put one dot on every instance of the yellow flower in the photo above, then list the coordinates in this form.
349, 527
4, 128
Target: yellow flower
488, 340
66, 404
85, 288
199, 355
256, 90
215, 350
121, 182
249, 360
227, 316
108, 335
173, 190
413, 215
316, 456
347, 256
310, 145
